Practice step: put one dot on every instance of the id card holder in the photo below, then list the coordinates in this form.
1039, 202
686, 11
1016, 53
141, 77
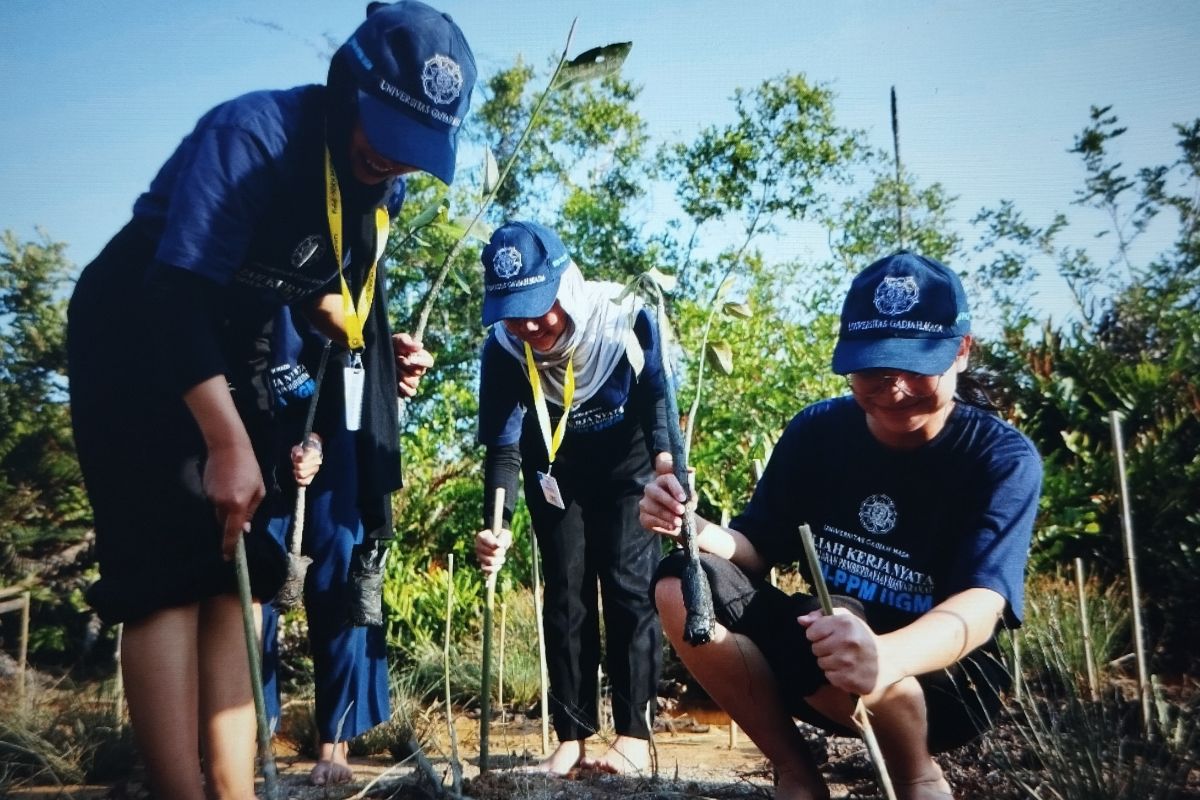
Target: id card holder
353, 378
550, 490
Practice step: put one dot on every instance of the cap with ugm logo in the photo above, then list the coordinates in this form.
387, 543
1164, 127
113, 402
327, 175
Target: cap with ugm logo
905, 312
522, 265
415, 73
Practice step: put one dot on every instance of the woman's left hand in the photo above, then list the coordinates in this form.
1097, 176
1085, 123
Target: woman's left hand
847, 651
412, 361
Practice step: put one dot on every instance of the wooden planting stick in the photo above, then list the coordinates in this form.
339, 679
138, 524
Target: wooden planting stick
270, 776
500, 679
489, 605
1086, 629
452, 732
1135, 597
860, 716
21, 603
543, 670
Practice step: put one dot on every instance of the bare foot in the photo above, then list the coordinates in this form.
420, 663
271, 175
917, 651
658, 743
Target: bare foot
932, 786
804, 786
565, 758
626, 755
332, 768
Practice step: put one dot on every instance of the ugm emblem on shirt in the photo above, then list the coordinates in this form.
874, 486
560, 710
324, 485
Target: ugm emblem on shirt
507, 262
310, 247
877, 514
896, 295
442, 79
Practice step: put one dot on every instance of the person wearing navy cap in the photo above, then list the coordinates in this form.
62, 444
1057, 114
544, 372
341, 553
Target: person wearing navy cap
276, 198
571, 393
921, 501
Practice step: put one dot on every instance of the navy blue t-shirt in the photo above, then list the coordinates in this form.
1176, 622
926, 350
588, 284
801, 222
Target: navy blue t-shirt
239, 209
901, 530
241, 201
625, 398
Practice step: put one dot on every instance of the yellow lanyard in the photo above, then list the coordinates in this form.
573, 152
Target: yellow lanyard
539, 402
356, 314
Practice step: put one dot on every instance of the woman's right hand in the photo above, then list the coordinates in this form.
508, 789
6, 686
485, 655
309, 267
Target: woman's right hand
490, 549
306, 459
233, 483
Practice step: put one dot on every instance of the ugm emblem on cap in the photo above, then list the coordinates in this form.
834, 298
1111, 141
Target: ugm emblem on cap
507, 262
442, 79
896, 295
877, 514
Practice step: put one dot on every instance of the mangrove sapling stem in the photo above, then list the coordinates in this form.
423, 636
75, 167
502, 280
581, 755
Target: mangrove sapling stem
1135, 597
860, 716
439, 280
699, 622
1086, 629
714, 303
455, 764
270, 776
899, 172
489, 605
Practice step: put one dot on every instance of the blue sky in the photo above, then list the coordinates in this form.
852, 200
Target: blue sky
97, 94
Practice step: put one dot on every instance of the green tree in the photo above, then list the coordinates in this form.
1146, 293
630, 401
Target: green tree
43, 509
776, 161
41, 498
1134, 350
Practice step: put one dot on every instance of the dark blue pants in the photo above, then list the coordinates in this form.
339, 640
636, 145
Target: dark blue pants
350, 666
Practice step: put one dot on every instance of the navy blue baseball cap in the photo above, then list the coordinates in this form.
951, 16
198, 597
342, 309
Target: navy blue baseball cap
415, 73
904, 312
522, 265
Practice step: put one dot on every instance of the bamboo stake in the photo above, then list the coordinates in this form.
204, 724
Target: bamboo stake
16, 598
1016, 671
1087, 630
119, 689
1131, 562
270, 776
860, 716
489, 605
23, 648
543, 669
500, 679
455, 764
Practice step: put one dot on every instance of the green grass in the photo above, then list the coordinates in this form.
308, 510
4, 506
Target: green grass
1056, 742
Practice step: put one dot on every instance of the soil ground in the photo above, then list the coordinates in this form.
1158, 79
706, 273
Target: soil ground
695, 759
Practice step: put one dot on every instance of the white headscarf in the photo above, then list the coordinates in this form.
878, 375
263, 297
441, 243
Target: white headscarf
598, 333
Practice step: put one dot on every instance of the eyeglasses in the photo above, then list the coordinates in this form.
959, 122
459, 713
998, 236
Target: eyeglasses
873, 381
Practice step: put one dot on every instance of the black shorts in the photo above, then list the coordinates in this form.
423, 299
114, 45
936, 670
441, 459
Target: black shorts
961, 700
142, 456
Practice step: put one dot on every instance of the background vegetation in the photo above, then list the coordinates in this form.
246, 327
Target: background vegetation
1132, 345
